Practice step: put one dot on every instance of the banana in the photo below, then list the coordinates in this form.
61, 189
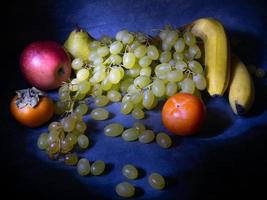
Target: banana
217, 54
77, 43
241, 88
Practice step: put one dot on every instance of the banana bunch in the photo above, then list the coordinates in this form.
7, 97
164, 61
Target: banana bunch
224, 71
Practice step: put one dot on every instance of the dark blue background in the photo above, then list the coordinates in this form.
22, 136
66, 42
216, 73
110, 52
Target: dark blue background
226, 160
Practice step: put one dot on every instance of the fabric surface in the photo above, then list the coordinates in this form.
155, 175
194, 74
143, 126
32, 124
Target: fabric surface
226, 160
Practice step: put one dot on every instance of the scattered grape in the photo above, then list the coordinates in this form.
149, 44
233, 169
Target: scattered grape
125, 189
130, 171
83, 167
97, 168
113, 130
156, 181
163, 140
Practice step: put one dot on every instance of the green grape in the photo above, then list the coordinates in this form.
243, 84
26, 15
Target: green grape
97, 168
148, 99
101, 101
65, 146
114, 96
71, 159
166, 46
114, 59
130, 171
163, 140
194, 51
145, 71
127, 38
163, 34
61, 107
74, 85
98, 76
64, 95
188, 86
80, 96
126, 107
178, 56
165, 56
92, 55
138, 113
83, 141
125, 98
128, 60
171, 88
146, 136
134, 72
106, 84
155, 103
71, 138
156, 181
98, 61
42, 142
195, 66
102, 51
116, 47
82, 74
171, 37
97, 90
54, 126
175, 76
130, 134
77, 63
115, 87
77, 116
113, 130
53, 148
137, 98
132, 89
179, 45
189, 38
124, 85
200, 81
68, 124
260, 73
158, 88
84, 87
140, 51
139, 127
142, 81
106, 40
152, 52
99, 114
181, 65
83, 167
115, 75
172, 62
81, 109
162, 69
94, 44
52, 138
145, 61
121, 34
125, 189
80, 126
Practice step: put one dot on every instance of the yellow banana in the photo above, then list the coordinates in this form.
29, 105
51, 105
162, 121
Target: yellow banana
217, 58
241, 88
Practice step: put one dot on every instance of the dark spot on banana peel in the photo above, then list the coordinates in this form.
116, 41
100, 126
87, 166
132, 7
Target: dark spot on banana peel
240, 109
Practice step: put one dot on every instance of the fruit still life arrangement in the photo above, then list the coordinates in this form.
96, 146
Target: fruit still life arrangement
137, 72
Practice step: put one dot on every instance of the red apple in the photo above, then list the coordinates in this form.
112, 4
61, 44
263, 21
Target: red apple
45, 64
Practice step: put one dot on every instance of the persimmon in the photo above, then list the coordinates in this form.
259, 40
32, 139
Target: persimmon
183, 114
31, 107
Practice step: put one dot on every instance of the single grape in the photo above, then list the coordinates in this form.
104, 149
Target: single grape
139, 127
83, 167
115, 75
181, 65
130, 171
77, 116
83, 74
114, 59
77, 63
148, 99
99, 114
163, 34
162, 69
142, 81
98, 61
42, 142
152, 52
128, 60
171, 37
140, 51
83, 141
125, 98
166, 46
93, 55
177, 56
179, 45
165, 56
97, 168
54, 126
65, 146
130, 134
81, 109
146, 136
84, 87
68, 124
94, 44
133, 46
134, 72
102, 51
195, 67
121, 34
158, 88
145, 61
188, 86
200, 81
175, 76
194, 51
171, 88
156, 181
80, 126
138, 113
163, 140
101, 101
127, 38
126, 107
189, 38
74, 85
114, 96
106, 84
53, 148
145, 71
52, 138
116, 47
71, 159
124, 85
113, 130
125, 189
132, 89
71, 138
